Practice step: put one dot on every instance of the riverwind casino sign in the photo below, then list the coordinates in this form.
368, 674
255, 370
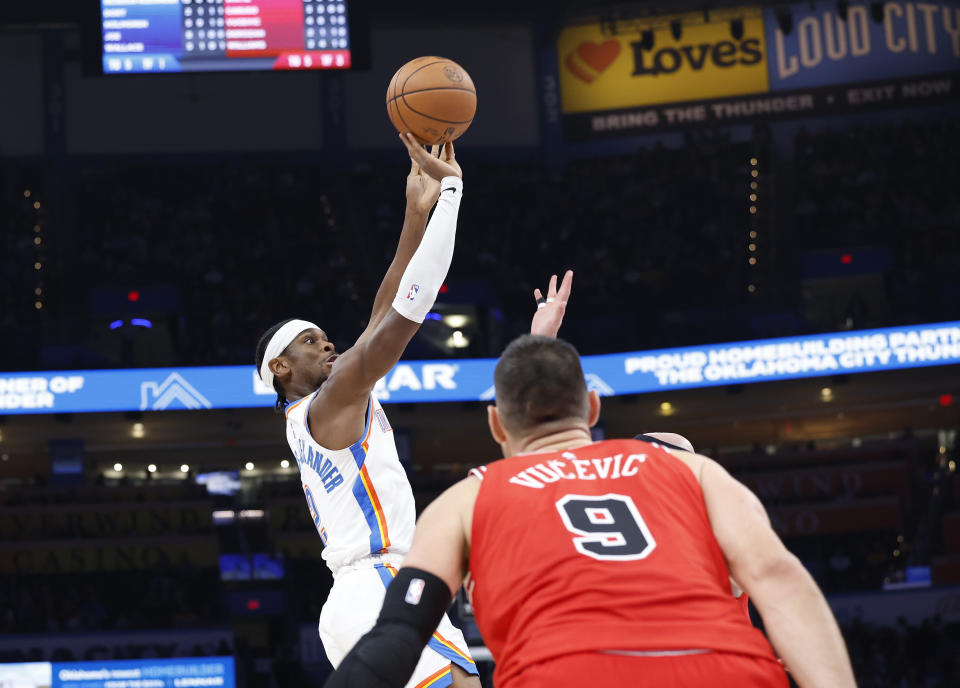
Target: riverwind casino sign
613, 83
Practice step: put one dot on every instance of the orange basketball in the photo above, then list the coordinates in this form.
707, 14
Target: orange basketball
433, 98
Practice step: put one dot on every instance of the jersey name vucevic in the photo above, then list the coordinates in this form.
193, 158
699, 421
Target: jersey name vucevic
359, 498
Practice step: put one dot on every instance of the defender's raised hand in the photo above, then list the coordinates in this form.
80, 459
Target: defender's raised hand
550, 310
437, 167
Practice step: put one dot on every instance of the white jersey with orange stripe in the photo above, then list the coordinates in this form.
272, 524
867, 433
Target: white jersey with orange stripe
359, 497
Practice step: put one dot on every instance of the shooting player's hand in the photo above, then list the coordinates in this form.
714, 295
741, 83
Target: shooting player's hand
422, 189
444, 165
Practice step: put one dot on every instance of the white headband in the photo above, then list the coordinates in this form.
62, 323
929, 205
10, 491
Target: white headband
278, 342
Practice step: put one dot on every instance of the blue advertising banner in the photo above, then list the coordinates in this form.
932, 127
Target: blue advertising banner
127, 673
160, 389
822, 49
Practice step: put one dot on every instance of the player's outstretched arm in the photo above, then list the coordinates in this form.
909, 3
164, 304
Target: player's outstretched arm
550, 309
422, 193
417, 598
343, 397
797, 618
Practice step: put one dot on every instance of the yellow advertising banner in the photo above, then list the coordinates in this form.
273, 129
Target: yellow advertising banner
601, 71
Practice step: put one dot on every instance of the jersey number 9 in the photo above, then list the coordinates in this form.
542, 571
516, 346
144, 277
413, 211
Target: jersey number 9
607, 527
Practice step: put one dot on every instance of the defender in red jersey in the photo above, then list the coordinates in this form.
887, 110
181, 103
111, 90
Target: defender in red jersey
601, 563
621, 551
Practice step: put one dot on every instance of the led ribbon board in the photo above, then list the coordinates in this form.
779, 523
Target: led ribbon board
128, 673
161, 389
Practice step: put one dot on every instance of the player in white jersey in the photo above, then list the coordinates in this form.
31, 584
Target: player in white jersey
356, 490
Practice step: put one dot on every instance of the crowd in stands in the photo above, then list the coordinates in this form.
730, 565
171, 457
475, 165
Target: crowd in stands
893, 187
73, 602
658, 238
907, 656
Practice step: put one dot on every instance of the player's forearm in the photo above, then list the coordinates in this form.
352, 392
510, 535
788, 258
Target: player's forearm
427, 268
414, 225
801, 627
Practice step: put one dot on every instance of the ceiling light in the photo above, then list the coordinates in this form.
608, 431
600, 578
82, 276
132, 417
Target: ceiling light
676, 28
784, 20
456, 320
249, 465
646, 39
117, 467
152, 468
284, 464
736, 28
457, 340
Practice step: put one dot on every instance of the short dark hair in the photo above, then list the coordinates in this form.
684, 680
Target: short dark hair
539, 380
281, 402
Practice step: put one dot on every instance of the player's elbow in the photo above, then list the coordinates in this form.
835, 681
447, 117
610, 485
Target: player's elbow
776, 569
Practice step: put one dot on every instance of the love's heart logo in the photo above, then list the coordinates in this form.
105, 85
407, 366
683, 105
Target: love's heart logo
590, 59
599, 56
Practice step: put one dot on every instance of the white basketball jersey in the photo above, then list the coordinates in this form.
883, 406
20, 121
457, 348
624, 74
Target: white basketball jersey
359, 497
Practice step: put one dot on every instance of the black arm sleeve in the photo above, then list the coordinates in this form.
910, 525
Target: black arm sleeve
387, 655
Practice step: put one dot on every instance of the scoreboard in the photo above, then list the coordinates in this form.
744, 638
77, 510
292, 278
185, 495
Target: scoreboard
156, 36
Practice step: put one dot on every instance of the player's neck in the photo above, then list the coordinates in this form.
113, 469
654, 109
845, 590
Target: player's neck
557, 440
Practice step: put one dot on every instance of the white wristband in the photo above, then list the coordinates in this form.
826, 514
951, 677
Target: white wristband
428, 266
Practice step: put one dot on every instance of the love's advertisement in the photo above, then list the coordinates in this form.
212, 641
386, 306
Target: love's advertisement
618, 80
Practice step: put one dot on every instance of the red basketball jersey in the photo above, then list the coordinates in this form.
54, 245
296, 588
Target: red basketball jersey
605, 547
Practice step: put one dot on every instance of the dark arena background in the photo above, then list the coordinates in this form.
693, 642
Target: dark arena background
761, 204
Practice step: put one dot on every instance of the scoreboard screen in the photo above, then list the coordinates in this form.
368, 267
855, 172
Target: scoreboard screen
156, 36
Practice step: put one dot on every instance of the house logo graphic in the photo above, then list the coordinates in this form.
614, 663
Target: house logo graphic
260, 387
597, 384
158, 397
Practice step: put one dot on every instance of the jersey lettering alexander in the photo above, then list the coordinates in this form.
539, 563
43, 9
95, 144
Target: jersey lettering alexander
612, 540
359, 498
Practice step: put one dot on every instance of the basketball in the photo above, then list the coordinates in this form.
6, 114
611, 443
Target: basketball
433, 98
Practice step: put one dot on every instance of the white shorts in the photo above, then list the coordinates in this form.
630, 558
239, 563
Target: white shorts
352, 609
